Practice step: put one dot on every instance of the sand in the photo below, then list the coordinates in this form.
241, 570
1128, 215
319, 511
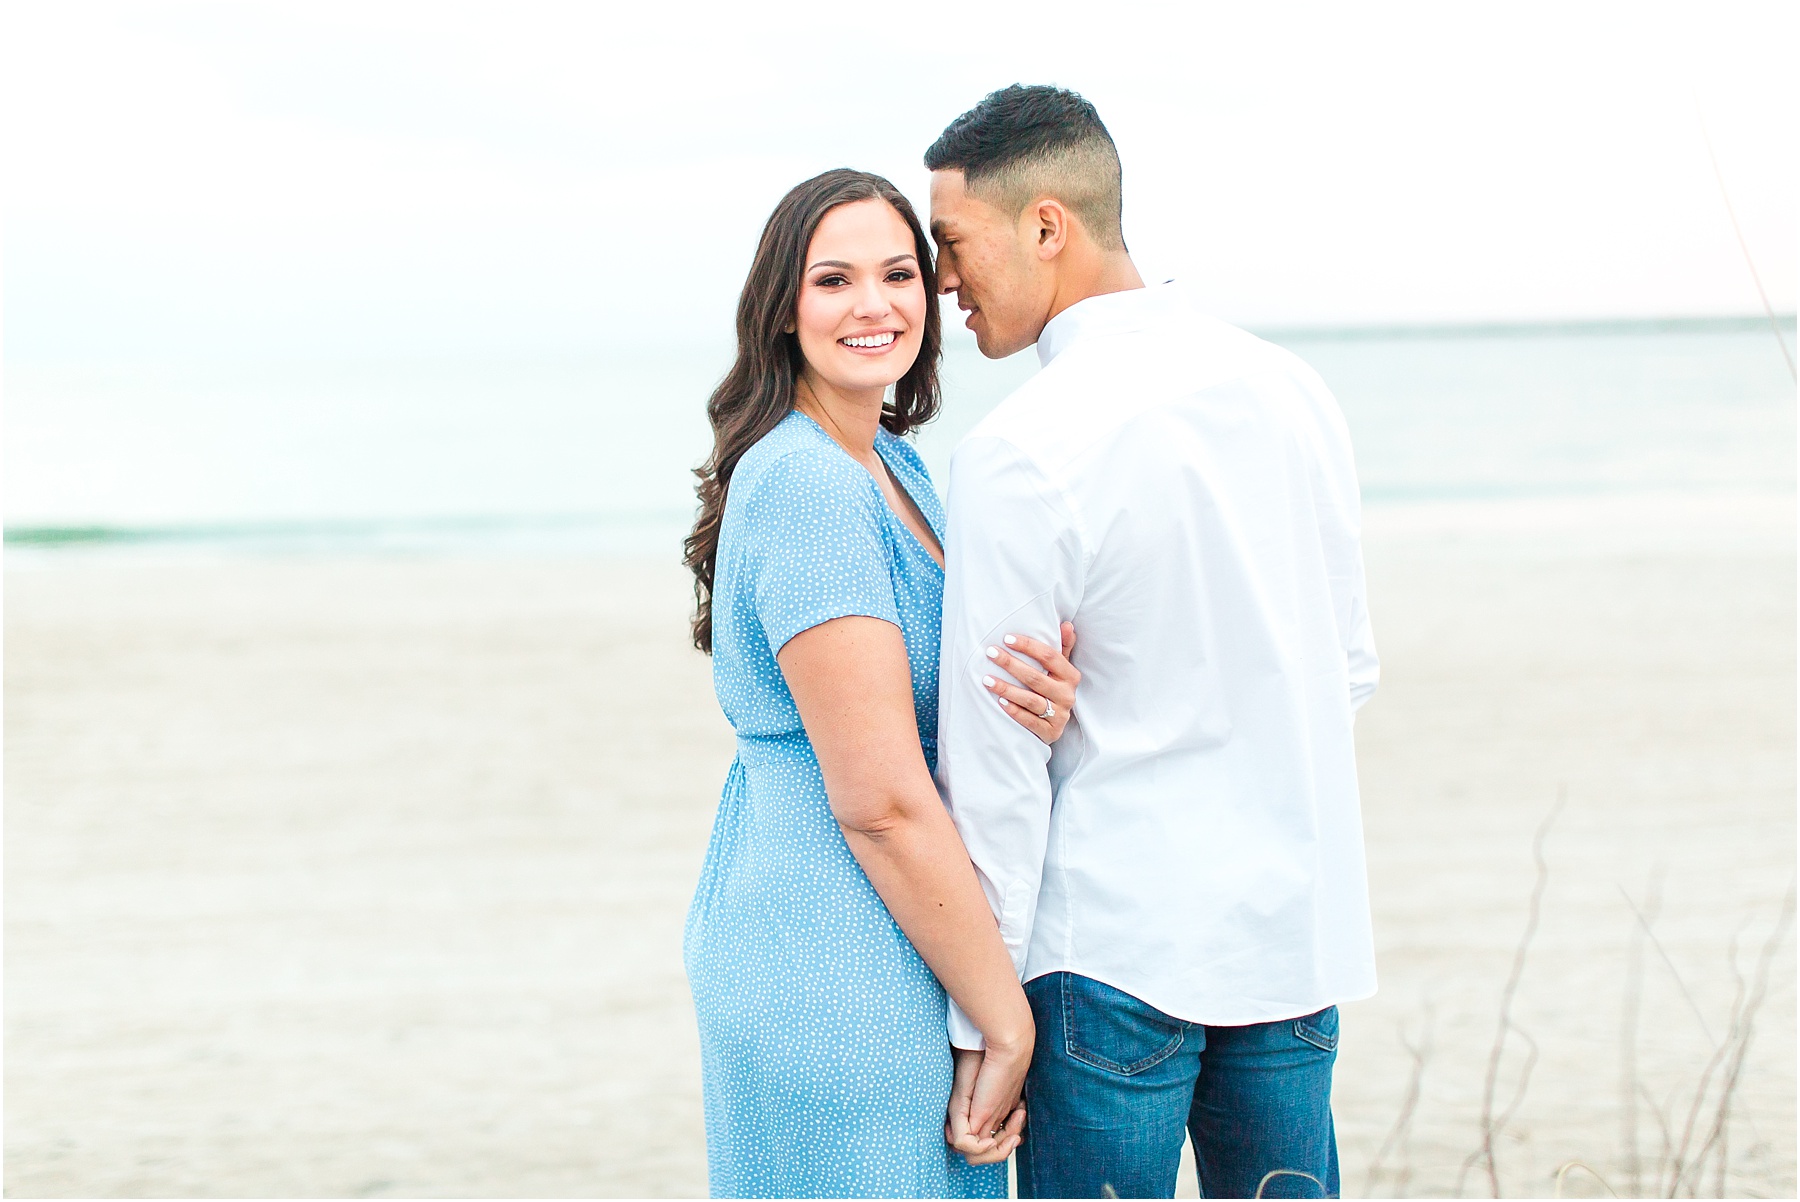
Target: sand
360, 876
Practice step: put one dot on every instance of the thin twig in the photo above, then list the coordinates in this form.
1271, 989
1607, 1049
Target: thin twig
1680, 1166
1399, 1135
1745, 1028
1531, 1059
1628, 1031
1661, 1114
1720, 1137
1674, 972
1740, 1013
1568, 1166
1484, 1155
1274, 1173
1720, 1050
1730, 211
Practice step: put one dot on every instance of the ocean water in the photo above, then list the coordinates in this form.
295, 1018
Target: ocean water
595, 455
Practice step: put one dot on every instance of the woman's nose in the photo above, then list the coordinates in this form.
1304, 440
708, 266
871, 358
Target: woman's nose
871, 301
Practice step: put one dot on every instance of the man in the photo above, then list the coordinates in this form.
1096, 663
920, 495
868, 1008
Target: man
1181, 882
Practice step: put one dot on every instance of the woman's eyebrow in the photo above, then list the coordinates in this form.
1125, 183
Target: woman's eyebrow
840, 265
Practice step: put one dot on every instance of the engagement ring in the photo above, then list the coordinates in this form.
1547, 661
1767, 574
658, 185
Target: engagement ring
1049, 710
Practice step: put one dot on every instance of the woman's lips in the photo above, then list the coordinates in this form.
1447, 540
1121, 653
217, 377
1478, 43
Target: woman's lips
878, 342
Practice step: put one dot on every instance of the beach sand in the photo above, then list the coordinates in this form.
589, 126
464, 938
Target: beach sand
359, 876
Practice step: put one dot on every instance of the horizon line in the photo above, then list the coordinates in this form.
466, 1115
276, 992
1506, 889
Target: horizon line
49, 535
1539, 326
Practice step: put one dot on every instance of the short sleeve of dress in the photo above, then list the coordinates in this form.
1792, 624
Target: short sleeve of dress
820, 550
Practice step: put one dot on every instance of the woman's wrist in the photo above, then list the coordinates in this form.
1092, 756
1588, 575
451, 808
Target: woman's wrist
1013, 1037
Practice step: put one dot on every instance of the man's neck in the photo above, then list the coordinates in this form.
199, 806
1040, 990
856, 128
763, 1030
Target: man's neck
1109, 272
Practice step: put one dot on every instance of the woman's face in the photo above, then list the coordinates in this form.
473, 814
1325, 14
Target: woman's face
861, 313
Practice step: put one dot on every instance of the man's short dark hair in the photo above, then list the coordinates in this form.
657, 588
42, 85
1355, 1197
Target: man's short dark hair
1021, 143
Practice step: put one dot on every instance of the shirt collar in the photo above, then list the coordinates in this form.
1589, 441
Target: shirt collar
1108, 313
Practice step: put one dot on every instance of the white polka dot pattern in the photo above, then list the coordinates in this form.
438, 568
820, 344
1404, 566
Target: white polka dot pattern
822, 1036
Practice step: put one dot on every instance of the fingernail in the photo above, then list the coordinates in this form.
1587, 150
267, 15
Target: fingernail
1011, 639
988, 681
993, 653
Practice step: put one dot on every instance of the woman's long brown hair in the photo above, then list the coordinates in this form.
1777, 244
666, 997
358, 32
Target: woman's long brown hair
758, 391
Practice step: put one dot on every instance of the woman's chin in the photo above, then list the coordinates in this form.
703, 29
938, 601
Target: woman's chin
868, 376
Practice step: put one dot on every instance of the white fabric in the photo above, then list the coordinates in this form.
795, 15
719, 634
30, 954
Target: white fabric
1185, 494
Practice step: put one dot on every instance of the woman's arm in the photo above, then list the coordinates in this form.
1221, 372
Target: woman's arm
852, 683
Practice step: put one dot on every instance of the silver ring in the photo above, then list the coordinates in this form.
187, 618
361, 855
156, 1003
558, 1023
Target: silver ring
1049, 710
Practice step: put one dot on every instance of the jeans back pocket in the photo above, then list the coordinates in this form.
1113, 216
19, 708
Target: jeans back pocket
1320, 1030
1109, 1029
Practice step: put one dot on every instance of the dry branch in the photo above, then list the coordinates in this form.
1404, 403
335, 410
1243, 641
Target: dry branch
1399, 1136
1484, 1155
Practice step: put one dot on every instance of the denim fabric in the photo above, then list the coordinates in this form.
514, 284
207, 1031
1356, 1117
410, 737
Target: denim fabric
1115, 1083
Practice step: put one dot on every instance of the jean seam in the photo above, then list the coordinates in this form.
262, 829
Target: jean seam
1317, 1038
1029, 1149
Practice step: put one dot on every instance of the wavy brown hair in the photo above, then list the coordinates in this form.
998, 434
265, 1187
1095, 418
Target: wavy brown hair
758, 391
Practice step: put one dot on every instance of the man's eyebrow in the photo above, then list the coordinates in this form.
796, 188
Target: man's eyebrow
938, 227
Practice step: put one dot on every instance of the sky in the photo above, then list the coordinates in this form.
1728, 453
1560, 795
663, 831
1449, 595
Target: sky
326, 181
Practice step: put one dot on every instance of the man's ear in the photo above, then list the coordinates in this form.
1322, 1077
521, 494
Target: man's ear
1053, 223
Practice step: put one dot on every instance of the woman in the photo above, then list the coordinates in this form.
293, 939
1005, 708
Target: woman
836, 895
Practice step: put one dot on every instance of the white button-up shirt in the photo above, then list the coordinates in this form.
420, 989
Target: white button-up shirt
1185, 494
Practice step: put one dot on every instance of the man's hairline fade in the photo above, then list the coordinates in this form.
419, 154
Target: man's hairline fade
1013, 186
1079, 168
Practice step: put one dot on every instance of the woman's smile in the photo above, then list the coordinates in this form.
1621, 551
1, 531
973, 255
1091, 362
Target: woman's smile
875, 342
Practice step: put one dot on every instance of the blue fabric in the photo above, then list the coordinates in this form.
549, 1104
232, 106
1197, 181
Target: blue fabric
822, 1040
1116, 1083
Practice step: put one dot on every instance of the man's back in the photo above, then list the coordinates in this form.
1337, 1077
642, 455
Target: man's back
1185, 494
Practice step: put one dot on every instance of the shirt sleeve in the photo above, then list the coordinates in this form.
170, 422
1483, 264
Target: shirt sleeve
1013, 565
1338, 505
820, 552
1359, 641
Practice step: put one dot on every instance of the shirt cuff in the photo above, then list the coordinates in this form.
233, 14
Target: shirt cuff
963, 1033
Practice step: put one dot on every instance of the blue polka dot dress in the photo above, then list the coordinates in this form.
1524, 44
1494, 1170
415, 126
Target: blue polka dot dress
822, 1038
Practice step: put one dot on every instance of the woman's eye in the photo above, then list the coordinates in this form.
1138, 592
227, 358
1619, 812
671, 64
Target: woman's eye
899, 276
831, 281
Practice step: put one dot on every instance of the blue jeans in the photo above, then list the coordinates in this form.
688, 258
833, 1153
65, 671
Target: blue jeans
1115, 1083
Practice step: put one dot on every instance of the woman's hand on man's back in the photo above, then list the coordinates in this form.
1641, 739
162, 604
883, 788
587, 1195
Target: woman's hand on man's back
1044, 698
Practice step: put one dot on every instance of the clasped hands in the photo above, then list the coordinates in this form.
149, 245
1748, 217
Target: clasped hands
986, 1118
